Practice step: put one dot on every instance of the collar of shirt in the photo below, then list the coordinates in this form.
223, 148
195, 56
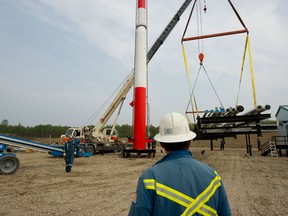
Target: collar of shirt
174, 155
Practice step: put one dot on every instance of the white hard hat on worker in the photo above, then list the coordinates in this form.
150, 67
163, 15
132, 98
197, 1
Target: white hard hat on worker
174, 128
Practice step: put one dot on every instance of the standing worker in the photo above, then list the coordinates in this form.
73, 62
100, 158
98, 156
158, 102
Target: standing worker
69, 148
149, 143
258, 144
178, 184
153, 143
222, 144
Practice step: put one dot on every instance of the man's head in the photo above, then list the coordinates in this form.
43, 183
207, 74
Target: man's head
174, 133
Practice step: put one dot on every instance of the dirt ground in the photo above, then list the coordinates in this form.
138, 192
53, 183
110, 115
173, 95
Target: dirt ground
104, 184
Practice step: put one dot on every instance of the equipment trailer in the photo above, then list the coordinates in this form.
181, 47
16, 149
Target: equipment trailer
9, 163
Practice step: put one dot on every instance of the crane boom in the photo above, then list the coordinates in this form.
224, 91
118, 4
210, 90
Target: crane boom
130, 80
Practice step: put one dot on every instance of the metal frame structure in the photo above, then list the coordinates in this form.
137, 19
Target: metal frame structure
213, 128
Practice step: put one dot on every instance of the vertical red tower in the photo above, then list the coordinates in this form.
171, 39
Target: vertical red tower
140, 70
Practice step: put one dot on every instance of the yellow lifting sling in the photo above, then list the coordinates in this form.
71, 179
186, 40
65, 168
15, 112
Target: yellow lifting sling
247, 45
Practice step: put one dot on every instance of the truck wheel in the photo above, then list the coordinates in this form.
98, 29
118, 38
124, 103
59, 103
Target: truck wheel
9, 165
91, 149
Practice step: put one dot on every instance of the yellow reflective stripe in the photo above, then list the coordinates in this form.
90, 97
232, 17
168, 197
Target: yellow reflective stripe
207, 211
217, 174
173, 195
203, 197
150, 184
204, 213
167, 192
177, 196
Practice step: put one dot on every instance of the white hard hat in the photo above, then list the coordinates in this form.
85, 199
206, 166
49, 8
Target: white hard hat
174, 128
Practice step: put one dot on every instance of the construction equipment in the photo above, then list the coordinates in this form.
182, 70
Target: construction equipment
92, 140
100, 143
101, 139
200, 38
9, 163
220, 123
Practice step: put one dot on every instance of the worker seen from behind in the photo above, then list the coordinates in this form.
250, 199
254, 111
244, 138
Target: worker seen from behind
69, 148
178, 184
222, 144
258, 144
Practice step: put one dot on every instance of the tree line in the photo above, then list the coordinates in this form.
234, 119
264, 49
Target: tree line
41, 131
52, 131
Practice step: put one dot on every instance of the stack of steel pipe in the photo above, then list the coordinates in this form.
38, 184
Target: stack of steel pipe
258, 110
230, 112
218, 112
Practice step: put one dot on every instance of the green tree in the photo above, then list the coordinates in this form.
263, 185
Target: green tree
124, 130
153, 130
5, 122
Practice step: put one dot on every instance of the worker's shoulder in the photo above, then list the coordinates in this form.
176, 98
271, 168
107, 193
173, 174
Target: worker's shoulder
200, 163
176, 167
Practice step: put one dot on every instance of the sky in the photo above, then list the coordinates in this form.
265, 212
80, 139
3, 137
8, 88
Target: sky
61, 60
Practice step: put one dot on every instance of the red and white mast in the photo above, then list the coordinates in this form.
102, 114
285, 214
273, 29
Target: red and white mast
140, 70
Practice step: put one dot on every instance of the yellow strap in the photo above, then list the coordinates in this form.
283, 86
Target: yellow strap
195, 103
247, 44
188, 119
252, 73
242, 68
189, 82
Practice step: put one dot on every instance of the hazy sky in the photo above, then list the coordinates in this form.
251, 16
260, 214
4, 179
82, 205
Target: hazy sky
60, 60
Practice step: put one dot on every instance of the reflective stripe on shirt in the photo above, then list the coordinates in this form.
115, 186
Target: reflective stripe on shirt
192, 205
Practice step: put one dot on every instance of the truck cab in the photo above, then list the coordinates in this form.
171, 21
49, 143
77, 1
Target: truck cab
84, 134
114, 136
